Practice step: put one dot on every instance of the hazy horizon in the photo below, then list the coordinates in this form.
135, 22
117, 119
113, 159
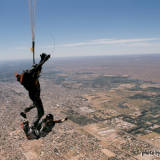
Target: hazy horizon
76, 57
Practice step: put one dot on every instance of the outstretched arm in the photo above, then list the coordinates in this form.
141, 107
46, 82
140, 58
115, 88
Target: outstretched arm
44, 58
38, 66
61, 120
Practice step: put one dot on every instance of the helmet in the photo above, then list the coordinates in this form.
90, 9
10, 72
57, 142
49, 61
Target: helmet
49, 117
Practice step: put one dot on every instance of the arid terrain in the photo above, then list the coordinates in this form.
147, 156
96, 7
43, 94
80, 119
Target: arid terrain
112, 104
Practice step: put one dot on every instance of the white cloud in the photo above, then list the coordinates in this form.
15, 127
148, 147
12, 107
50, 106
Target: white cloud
109, 41
110, 47
89, 48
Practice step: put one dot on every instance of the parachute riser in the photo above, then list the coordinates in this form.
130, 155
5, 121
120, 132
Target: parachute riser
32, 7
33, 50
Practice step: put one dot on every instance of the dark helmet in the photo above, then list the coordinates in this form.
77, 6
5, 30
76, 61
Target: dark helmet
49, 117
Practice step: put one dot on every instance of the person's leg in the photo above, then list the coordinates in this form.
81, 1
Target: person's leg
40, 112
25, 127
29, 132
23, 114
29, 108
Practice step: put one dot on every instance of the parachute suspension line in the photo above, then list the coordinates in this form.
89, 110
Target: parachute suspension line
32, 7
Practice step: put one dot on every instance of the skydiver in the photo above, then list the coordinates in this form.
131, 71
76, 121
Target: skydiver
29, 80
43, 128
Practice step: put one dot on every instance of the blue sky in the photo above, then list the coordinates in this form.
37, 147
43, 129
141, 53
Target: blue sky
80, 28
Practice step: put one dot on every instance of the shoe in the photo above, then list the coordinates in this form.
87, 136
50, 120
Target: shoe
23, 115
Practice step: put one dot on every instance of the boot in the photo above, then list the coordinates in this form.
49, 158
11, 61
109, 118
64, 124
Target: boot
23, 115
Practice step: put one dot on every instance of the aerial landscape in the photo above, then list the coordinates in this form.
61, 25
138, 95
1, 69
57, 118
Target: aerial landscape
80, 80
112, 105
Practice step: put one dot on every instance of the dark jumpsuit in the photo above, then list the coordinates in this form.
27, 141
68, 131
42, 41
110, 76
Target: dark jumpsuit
42, 130
29, 79
31, 83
